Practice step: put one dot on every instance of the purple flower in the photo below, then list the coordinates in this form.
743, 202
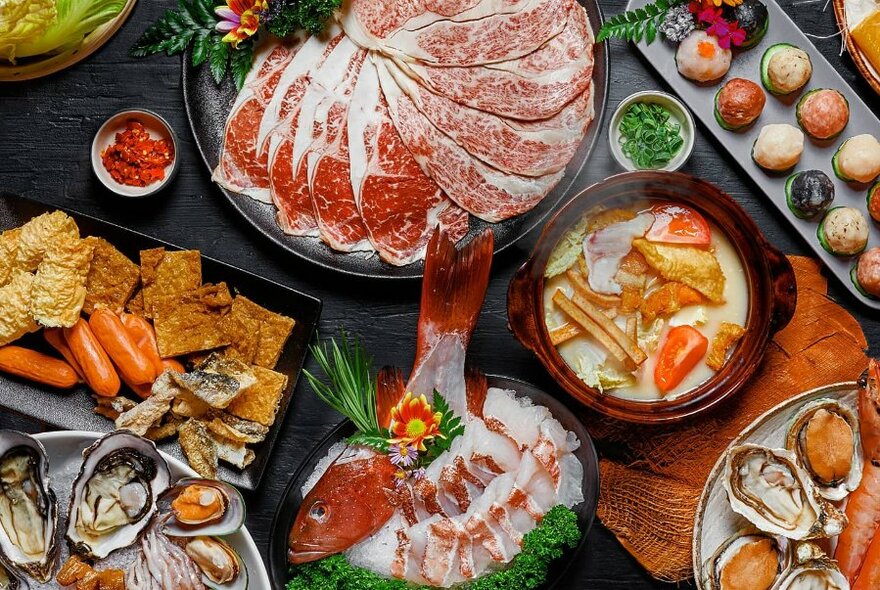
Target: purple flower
403, 455
418, 473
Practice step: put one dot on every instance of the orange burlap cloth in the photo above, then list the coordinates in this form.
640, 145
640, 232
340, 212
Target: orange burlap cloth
652, 477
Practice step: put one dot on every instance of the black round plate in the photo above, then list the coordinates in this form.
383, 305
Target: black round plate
207, 106
586, 510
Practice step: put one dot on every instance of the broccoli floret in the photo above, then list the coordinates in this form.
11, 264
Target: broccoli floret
287, 16
557, 532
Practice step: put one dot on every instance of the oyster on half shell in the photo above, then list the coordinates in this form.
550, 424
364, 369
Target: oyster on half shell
28, 509
114, 495
749, 559
825, 437
774, 493
813, 571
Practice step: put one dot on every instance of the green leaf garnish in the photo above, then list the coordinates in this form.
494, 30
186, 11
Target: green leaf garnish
637, 24
450, 427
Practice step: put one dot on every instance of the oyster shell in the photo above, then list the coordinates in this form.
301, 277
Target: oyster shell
748, 559
825, 437
775, 494
28, 509
813, 571
222, 568
9, 580
114, 495
202, 507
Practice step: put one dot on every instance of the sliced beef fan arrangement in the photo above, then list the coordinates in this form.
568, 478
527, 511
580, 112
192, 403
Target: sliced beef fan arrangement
409, 114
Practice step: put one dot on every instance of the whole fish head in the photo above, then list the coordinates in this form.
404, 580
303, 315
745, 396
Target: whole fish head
348, 504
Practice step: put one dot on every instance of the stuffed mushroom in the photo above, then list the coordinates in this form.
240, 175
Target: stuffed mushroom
699, 58
843, 231
738, 103
785, 69
779, 147
823, 113
858, 159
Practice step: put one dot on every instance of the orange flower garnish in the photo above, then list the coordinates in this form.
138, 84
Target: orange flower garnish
413, 422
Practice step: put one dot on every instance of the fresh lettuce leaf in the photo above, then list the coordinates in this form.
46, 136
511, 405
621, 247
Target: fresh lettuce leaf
22, 21
75, 19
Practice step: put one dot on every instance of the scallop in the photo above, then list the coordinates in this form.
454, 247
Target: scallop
768, 488
114, 496
825, 437
749, 559
200, 507
28, 508
222, 568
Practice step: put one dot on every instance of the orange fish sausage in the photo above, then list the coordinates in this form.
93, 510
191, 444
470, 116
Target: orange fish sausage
135, 367
93, 360
38, 367
145, 337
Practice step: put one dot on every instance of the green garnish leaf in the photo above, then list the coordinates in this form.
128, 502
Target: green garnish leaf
218, 58
648, 136
240, 63
293, 15
450, 427
637, 24
351, 390
374, 441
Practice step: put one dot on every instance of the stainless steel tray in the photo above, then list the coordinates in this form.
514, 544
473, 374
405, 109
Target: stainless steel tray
817, 155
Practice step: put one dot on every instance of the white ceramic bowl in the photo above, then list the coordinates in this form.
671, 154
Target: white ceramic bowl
680, 114
157, 127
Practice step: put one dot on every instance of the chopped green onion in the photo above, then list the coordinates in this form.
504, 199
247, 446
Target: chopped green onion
648, 137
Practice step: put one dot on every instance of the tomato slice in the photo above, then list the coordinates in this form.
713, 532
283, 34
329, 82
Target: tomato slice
677, 224
683, 349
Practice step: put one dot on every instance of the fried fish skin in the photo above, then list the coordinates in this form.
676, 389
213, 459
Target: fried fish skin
15, 314
8, 251
41, 233
199, 448
695, 267
59, 289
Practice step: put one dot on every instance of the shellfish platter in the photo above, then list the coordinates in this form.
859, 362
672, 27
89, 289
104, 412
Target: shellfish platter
742, 510
92, 388
817, 154
64, 472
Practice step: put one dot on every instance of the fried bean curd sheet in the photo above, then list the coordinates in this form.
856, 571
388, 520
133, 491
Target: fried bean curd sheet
728, 334
168, 273
258, 335
41, 233
112, 278
8, 250
692, 266
15, 312
135, 305
59, 289
259, 402
192, 321
199, 448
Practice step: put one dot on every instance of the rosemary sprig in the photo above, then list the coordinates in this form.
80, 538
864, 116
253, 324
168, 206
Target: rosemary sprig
638, 24
351, 390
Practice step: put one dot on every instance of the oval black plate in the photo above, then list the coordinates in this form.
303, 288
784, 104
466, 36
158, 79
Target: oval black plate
586, 510
207, 106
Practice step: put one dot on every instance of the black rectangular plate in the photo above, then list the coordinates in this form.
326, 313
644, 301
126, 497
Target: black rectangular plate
73, 410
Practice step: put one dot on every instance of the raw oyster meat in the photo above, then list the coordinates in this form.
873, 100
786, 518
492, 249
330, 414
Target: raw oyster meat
114, 495
774, 493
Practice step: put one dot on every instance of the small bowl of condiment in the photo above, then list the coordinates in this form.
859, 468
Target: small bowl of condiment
651, 130
134, 153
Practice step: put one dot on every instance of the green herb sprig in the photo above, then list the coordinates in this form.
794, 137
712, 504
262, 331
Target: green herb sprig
638, 24
557, 532
450, 427
648, 137
288, 16
193, 24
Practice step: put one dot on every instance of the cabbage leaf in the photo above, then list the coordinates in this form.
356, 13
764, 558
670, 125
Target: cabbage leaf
75, 19
566, 252
22, 21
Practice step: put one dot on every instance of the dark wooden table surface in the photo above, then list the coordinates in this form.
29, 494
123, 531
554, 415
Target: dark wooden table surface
46, 128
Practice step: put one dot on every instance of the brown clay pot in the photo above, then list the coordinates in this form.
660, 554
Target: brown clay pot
771, 286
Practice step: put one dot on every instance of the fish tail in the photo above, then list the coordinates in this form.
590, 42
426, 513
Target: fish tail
477, 389
454, 288
390, 389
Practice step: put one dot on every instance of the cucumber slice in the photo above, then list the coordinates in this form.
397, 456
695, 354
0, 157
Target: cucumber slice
765, 66
724, 124
854, 277
792, 207
835, 164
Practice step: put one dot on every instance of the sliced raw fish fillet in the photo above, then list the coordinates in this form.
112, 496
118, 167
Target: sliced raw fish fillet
495, 38
535, 86
243, 166
289, 165
490, 137
484, 191
400, 206
329, 172
605, 249
515, 417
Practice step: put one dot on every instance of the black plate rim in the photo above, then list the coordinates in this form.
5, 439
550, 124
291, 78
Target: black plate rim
313, 313
416, 270
278, 571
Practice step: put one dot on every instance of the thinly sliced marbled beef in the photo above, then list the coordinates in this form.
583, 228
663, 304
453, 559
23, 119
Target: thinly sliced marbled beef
243, 166
399, 204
